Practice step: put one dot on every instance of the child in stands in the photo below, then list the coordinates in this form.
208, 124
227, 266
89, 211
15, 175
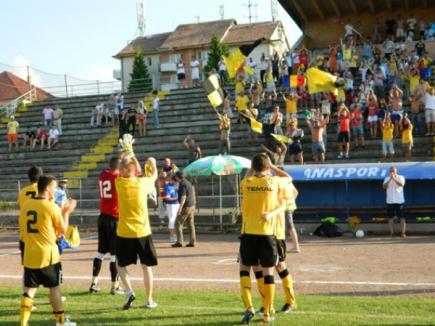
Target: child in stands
387, 138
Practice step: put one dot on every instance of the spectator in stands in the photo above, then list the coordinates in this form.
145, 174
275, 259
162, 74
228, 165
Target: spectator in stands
372, 114
283, 75
251, 113
412, 22
194, 66
29, 137
226, 105
119, 105
303, 58
377, 32
41, 137
424, 64
276, 119
390, 25
105, 114
394, 184
295, 149
407, 139
276, 153
253, 65
429, 105
47, 112
131, 120
357, 126
141, 117
156, 108
255, 91
53, 137
421, 28
99, 113
181, 74
317, 144
400, 29
240, 85
275, 66
332, 58
396, 95
387, 138
194, 150
225, 130
413, 76
291, 105
122, 117
57, 118
169, 167
344, 132
264, 65
94, 116
242, 102
113, 110
268, 80
13, 128
222, 71
378, 84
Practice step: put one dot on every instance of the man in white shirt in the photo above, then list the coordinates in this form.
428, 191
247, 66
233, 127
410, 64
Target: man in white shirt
53, 137
429, 111
393, 184
194, 65
253, 65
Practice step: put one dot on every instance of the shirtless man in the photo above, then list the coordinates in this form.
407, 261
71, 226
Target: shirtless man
317, 146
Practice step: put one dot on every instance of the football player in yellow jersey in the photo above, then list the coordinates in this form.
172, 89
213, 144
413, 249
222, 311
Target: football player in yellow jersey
134, 231
29, 191
41, 222
263, 201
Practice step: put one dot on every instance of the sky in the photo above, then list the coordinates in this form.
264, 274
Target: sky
79, 37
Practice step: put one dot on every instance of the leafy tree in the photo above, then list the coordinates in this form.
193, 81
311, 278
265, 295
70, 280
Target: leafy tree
217, 49
140, 77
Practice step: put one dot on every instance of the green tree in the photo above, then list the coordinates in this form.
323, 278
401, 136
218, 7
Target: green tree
140, 77
217, 49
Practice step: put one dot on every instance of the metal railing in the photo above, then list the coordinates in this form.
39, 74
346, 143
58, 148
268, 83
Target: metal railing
11, 107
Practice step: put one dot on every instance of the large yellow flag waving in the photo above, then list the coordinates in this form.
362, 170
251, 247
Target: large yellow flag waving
237, 58
321, 81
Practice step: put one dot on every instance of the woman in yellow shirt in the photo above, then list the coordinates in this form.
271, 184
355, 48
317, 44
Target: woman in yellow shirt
407, 140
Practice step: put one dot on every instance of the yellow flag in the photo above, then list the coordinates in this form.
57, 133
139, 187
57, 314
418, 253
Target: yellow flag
215, 98
72, 235
233, 62
282, 139
320, 81
256, 126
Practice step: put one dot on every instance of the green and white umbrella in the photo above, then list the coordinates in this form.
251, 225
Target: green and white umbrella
218, 165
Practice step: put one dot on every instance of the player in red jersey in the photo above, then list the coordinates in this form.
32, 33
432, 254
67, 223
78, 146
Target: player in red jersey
107, 223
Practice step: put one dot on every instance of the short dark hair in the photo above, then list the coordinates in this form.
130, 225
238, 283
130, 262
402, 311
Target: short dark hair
154, 92
34, 173
114, 163
44, 181
260, 162
179, 175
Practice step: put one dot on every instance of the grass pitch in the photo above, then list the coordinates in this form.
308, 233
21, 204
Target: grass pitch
218, 309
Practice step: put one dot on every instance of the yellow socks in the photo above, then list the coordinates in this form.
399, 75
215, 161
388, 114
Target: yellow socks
25, 309
245, 289
287, 285
59, 316
260, 283
269, 294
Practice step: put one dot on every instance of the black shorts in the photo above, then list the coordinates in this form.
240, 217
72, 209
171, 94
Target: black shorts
128, 249
294, 148
258, 249
107, 234
344, 136
395, 210
49, 277
181, 76
282, 249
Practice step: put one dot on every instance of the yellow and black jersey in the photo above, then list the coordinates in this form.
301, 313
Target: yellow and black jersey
39, 220
27, 192
133, 210
260, 195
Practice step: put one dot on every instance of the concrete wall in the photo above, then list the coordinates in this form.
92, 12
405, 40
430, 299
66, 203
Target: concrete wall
320, 34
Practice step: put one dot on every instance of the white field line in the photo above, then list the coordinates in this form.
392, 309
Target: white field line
236, 281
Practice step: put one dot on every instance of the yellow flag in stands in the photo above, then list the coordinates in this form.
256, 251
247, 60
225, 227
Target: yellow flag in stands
214, 91
282, 139
320, 81
248, 70
237, 58
256, 126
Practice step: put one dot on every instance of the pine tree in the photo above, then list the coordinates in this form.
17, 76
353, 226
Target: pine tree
217, 49
140, 77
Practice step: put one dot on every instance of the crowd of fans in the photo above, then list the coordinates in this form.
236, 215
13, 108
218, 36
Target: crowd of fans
378, 79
